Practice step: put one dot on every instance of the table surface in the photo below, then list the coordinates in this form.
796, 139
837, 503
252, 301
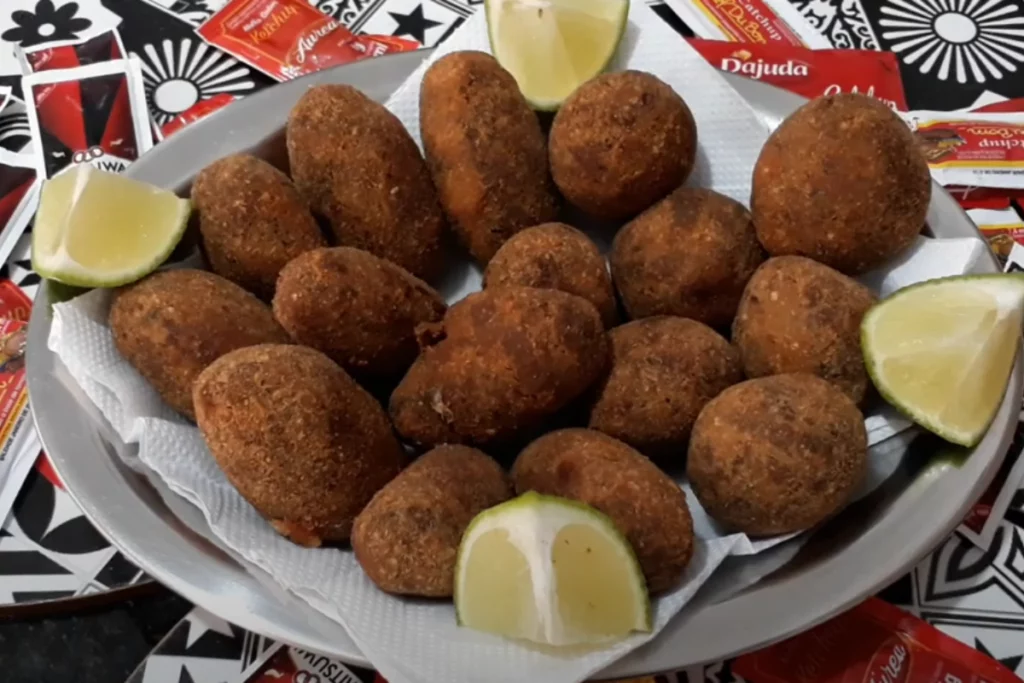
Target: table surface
48, 550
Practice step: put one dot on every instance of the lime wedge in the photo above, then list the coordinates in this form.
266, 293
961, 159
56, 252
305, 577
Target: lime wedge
552, 47
100, 229
549, 570
942, 351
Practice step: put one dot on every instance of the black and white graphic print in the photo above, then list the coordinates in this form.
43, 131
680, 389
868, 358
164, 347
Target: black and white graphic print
179, 74
428, 22
843, 22
31, 22
15, 134
194, 12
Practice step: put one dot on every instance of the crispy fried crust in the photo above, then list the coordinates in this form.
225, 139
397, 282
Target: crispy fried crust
298, 438
841, 181
797, 315
357, 166
777, 454
664, 371
174, 323
507, 358
689, 255
621, 142
360, 310
407, 538
555, 256
646, 506
252, 221
486, 151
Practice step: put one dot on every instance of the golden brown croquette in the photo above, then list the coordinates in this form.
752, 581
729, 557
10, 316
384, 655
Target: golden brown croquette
502, 360
298, 438
170, 325
841, 181
621, 142
797, 315
777, 454
358, 309
690, 255
252, 221
357, 167
645, 505
407, 538
486, 151
664, 371
555, 256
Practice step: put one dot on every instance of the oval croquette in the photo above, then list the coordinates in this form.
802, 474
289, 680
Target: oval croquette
689, 255
504, 360
646, 506
486, 151
357, 167
777, 455
172, 324
664, 371
407, 538
621, 142
360, 310
252, 221
841, 181
298, 438
555, 256
797, 315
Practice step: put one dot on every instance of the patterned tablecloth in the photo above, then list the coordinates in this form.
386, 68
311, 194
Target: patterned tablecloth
954, 54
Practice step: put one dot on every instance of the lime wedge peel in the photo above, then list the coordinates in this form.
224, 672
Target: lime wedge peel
549, 570
100, 229
552, 47
942, 351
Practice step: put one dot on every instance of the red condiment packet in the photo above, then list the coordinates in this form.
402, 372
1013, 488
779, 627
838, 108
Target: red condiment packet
1001, 227
286, 39
972, 149
199, 110
104, 47
762, 22
874, 642
1014, 105
810, 73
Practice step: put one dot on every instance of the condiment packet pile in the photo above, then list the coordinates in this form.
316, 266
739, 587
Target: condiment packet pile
411, 641
759, 22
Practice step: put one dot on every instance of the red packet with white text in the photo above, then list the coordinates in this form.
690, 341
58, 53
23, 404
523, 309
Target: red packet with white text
197, 111
972, 149
94, 114
762, 22
104, 47
286, 39
810, 73
18, 442
874, 641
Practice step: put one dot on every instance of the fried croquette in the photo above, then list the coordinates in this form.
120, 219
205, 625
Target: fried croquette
357, 167
841, 181
501, 362
358, 309
664, 371
298, 438
555, 256
170, 325
777, 454
621, 142
645, 505
797, 315
407, 538
486, 151
252, 221
689, 255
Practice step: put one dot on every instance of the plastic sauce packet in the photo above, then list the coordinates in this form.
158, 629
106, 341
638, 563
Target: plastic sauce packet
199, 110
286, 39
1014, 105
972, 149
810, 73
874, 642
104, 47
94, 114
1001, 227
762, 22
18, 443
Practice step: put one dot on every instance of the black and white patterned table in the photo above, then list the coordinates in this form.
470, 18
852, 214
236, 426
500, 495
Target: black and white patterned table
953, 54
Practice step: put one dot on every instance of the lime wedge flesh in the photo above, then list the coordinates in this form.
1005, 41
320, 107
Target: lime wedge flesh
551, 47
942, 351
100, 229
549, 570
